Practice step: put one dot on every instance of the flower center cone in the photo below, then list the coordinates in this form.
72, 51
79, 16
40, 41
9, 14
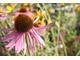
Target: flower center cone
23, 23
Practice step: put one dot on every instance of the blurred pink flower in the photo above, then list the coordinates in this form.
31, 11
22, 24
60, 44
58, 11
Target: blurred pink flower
3, 16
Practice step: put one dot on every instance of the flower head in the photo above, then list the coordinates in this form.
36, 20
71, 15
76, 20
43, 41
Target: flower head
24, 11
24, 25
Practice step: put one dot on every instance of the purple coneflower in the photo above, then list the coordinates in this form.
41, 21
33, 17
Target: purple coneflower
23, 10
24, 25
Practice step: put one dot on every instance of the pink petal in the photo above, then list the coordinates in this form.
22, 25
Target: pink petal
16, 13
6, 29
30, 14
24, 48
13, 22
19, 43
23, 41
47, 26
3, 16
8, 37
36, 28
24, 45
39, 44
31, 44
12, 43
41, 32
37, 37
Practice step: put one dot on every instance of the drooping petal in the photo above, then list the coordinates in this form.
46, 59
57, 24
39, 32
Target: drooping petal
31, 44
23, 41
41, 32
38, 38
18, 46
24, 48
12, 43
36, 28
32, 35
24, 45
8, 37
6, 29
47, 26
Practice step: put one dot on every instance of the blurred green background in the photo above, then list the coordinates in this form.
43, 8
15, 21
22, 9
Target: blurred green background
63, 39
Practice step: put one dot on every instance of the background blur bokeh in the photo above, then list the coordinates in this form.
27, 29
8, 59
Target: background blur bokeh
63, 39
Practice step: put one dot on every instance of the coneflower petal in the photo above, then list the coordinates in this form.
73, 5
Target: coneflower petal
21, 47
38, 38
31, 44
13, 42
6, 29
41, 32
24, 48
24, 44
18, 46
31, 33
30, 14
47, 26
10, 45
8, 37
23, 41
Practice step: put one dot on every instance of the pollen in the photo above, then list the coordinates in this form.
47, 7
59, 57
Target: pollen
23, 9
23, 23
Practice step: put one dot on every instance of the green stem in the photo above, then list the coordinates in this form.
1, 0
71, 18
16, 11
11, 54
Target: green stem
59, 34
78, 53
42, 10
64, 47
27, 42
47, 11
